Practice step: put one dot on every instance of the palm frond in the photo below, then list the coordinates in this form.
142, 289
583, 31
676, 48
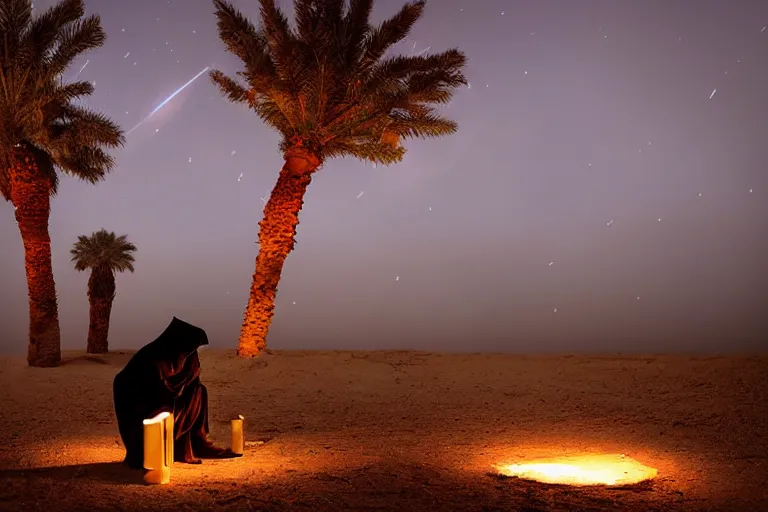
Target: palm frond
391, 32
41, 114
388, 75
90, 164
280, 39
308, 18
46, 167
85, 127
424, 126
233, 91
243, 40
327, 86
364, 149
67, 93
15, 17
321, 26
74, 39
357, 29
44, 31
272, 110
238, 33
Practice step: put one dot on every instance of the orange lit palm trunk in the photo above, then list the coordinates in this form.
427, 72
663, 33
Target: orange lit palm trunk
101, 294
277, 232
31, 196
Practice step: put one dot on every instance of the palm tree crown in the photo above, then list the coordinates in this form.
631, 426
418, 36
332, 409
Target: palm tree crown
327, 85
103, 250
39, 113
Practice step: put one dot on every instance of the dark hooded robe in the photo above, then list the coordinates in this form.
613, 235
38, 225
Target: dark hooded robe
164, 376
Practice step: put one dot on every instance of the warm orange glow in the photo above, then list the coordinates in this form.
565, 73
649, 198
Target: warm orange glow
390, 139
582, 470
237, 443
157, 419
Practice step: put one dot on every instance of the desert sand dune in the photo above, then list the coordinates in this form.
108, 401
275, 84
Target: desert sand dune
401, 431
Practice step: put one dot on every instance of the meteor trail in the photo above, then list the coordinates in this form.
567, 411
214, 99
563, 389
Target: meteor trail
169, 98
82, 68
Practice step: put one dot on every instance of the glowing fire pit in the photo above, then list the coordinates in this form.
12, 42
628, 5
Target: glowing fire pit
584, 470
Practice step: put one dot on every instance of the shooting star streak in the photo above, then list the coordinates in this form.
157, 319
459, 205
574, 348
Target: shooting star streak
81, 70
169, 98
177, 91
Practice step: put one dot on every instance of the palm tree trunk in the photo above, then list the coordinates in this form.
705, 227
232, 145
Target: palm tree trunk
30, 194
277, 232
98, 329
101, 294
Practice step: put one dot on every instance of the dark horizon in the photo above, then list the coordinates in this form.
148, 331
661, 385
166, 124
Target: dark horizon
585, 123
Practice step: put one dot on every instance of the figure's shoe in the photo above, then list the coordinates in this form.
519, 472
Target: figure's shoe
182, 452
207, 450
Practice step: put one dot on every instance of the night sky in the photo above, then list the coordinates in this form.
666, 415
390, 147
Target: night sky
606, 190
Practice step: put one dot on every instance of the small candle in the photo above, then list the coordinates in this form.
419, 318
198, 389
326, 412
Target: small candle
237, 436
158, 448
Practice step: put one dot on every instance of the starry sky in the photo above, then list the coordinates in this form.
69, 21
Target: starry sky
606, 190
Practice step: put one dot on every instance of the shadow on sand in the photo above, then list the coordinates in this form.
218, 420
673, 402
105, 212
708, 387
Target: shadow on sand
384, 485
106, 472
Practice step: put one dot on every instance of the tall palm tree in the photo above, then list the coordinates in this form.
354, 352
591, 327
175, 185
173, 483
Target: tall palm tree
45, 128
104, 253
329, 90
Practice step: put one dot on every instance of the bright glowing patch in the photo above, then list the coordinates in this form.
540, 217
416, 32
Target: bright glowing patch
157, 419
584, 470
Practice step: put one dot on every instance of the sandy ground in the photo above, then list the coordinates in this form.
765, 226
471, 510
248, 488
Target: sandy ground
401, 431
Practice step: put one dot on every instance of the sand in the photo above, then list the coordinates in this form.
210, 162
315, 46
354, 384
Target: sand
401, 431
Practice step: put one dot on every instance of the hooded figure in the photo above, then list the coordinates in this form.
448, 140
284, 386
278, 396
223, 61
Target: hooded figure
164, 376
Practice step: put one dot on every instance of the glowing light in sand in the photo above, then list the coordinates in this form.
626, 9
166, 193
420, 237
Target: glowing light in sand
585, 470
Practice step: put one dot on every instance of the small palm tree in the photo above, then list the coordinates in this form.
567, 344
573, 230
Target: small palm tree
44, 128
104, 254
329, 90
